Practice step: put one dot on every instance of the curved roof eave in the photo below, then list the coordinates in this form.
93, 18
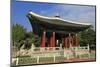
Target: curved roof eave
65, 22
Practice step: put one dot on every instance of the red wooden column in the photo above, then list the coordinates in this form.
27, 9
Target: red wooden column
52, 40
66, 42
69, 38
77, 40
72, 41
43, 40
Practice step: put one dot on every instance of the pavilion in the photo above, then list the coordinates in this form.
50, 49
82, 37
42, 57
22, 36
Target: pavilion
53, 29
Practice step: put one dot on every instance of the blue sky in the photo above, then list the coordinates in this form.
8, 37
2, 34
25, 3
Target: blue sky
19, 10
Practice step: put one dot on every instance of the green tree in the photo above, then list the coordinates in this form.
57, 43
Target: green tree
37, 41
18, 34
29, 39
88, 37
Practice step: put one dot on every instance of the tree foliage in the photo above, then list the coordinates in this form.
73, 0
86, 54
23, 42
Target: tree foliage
29, 39
18, 34
87, 37
21, 37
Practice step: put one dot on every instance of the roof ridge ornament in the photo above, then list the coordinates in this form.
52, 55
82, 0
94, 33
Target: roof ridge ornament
57, 15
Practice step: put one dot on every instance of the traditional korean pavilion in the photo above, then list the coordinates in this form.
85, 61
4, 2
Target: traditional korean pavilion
53, 29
